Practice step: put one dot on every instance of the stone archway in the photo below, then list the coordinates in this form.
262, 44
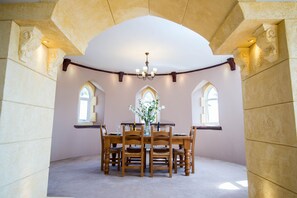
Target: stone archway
261, 35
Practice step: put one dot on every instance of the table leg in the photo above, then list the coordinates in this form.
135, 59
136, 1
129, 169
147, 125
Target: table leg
187, 162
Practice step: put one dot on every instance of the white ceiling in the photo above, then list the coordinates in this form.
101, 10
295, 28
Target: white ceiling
172, 47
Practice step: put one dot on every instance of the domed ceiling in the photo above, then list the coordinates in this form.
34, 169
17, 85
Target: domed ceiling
171, 47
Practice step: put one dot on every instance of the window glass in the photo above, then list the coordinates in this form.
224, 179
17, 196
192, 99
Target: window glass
84, 93
212, 94
84, 113
83, 110
211, 108
213, 113
148, 96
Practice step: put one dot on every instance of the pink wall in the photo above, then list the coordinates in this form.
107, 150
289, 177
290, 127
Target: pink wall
227, 144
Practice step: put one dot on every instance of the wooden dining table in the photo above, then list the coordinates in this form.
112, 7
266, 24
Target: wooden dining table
181, 140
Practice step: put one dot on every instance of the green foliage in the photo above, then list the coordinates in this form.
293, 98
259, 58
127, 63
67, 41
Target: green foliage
147, 111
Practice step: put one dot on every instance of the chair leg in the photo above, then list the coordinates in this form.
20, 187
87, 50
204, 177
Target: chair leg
170, 168
141, 165
119, 161
151, 164
123, 166
144, 165
102, 160
181, 159
193, 164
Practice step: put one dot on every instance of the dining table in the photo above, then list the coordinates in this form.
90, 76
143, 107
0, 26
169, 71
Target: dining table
180, 139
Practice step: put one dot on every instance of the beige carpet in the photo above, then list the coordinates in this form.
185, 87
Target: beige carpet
82, 178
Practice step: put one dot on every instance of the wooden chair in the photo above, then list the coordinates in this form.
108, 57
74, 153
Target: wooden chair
161, 138
136, 149
115, 152
133, 138
178, 154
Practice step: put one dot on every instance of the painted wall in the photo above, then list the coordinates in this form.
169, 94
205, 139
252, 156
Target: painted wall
227, 144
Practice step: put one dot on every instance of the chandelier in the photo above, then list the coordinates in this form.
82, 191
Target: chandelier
146, 74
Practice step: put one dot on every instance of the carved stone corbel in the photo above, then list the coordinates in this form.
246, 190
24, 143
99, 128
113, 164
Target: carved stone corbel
55, 58
267, 41
30, 40
242, 59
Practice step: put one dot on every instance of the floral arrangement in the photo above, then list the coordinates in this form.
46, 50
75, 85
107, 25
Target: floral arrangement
147, 111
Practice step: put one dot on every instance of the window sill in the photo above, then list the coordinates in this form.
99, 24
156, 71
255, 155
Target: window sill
84, 126
219, 128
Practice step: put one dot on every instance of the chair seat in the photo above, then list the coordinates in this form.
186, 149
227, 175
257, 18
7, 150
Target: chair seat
135, 159
161, 150
133, 149
115, 149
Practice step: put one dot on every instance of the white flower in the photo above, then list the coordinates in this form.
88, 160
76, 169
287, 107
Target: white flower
147, 111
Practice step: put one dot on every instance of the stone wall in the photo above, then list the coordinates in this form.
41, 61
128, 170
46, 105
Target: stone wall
268, 84
27, 95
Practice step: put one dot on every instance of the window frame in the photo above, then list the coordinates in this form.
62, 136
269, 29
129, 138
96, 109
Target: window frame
140, 95
206, 113
91, 91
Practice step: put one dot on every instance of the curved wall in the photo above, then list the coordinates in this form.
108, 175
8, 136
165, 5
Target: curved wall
227, 144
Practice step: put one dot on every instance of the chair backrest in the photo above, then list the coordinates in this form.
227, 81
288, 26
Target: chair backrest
131, 137
161, 137
103, 132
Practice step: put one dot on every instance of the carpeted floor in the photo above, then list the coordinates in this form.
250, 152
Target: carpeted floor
82, 178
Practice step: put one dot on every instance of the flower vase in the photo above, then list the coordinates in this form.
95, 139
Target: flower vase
147, 129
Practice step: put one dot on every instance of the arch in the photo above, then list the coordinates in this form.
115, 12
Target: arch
140, 94
70, 27
221, 24
186, 13
72, 36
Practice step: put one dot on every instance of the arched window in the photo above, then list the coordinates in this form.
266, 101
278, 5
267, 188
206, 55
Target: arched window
146, 94
210, 105
86, 104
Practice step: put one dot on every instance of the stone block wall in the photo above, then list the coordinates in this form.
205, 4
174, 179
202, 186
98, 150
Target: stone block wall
27, 95
270, 118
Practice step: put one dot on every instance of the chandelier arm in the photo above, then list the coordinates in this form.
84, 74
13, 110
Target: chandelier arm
150, 77
139, 76
145, 74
